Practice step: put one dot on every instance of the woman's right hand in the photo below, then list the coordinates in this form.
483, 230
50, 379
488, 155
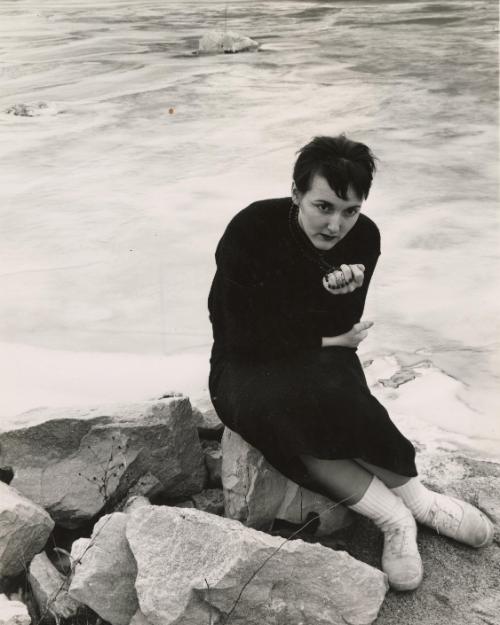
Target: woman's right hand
353, 338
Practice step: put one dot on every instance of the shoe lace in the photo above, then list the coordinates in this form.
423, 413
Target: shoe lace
441, 518
398, 540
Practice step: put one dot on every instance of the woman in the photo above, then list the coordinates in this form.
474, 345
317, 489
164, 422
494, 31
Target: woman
286, 305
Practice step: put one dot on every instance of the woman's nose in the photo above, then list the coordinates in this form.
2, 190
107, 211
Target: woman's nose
334, 224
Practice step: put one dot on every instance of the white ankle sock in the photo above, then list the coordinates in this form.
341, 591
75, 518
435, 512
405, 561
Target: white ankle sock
416, 497
381, 505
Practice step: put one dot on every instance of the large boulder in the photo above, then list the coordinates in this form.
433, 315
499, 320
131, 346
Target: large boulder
217, 41
256, 494
50, 590
76, 462
194, 568
105, 571
13, 612
24, 530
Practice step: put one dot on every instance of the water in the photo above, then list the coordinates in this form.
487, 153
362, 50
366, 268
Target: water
114, 198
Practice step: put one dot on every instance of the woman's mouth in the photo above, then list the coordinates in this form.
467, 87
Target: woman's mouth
328, 237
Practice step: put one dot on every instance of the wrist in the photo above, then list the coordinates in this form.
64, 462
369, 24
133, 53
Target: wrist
332, 341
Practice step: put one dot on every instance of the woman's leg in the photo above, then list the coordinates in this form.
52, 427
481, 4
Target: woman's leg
363, 492
390, 479
342, 479
447, 515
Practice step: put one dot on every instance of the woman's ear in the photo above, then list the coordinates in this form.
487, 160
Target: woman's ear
295, 194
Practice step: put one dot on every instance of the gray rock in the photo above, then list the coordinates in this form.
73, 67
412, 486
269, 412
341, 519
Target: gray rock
185, 504
399, 378
210, 500
78, 550
488, 609
213, 461
50, 590
299, 504
77, 462
104, 576
32, 110
209, 425
218, 41
139, 619
24, 530
135, 502
204, 561
256, 494
13, 612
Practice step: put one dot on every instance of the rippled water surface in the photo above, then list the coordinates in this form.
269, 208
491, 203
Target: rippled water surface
114, 197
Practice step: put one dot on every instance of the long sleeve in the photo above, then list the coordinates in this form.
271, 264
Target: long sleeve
252, 305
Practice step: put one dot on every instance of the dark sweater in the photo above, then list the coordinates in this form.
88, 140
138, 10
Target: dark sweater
267, 300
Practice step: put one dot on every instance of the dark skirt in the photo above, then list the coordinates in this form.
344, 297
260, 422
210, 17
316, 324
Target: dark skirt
316, 402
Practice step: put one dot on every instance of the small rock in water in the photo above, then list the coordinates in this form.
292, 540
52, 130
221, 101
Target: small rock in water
399, 378
219, 41
31, 110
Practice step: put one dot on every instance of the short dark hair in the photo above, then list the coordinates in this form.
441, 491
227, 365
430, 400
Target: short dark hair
344, 163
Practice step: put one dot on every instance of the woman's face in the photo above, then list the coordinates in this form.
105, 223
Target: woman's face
323, 215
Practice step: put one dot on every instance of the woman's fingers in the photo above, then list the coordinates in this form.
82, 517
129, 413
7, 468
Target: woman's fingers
347, 271
362, 326
346, 279
358, 274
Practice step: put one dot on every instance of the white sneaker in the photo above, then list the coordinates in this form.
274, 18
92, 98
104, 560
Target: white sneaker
400, 559
459, 520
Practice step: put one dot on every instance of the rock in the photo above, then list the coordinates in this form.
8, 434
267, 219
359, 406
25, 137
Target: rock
299, 504
13, 612
32, 110
50, 589
24, 530
146, 486
77, 463
209, 425
139, 619
225, 41
300, 583
399, 378
104, 578
256, 494
210, 500
78, 549
488, 609
213, 462
185, 504
135, 502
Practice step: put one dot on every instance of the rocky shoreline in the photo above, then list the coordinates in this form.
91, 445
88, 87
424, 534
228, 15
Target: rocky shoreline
152, 513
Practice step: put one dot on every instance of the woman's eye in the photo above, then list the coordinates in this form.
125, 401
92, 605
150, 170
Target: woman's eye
350, 212
323, 208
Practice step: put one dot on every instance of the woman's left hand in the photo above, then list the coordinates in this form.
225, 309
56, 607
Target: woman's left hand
345, 280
